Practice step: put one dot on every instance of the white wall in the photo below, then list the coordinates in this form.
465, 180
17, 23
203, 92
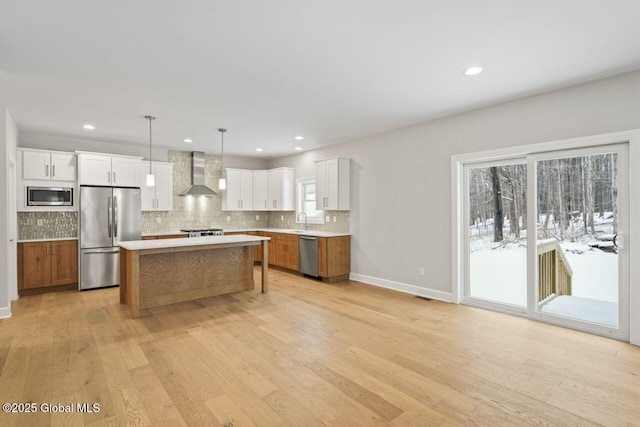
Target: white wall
252, 163
400, 181
8, 135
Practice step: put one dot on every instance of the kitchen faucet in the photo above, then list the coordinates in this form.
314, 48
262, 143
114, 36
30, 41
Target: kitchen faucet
306, 226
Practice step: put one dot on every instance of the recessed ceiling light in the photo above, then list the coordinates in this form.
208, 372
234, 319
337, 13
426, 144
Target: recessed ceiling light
188, 140
472, 71
259, 150
298, 148
88, 127
299, 138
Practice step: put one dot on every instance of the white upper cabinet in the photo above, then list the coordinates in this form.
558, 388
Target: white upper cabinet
333, 184
124, 171
281, 186
239, 193
260, 191
103, 169
48, 165
160, 196
95, 169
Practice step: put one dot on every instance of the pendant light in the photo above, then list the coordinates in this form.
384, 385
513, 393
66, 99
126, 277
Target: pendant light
151, 179
222, 183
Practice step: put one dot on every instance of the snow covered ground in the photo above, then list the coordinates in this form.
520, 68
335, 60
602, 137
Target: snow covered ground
500, 275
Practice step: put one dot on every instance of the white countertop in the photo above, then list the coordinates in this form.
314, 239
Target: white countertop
140, 245
290, 231
57, 239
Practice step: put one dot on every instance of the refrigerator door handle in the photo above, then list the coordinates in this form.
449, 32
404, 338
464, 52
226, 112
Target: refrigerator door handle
109, 215
101, 251
115, 216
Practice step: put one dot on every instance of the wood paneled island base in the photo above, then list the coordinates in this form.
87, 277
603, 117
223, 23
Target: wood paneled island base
154, 273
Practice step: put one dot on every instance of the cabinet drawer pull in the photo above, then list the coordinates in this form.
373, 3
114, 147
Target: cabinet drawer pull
53, 170
46, 170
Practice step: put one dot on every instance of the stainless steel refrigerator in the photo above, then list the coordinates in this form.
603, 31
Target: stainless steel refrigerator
107, 216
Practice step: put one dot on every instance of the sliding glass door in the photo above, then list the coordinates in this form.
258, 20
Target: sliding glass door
544, 237
581, 274
496, 234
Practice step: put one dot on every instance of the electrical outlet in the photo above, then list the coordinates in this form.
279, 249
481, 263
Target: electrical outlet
228, 218
257, 217
335, 219
281, 217
421, 272
158, 220
327, 219
40, 222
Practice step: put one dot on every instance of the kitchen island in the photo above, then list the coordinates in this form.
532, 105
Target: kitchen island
154, 273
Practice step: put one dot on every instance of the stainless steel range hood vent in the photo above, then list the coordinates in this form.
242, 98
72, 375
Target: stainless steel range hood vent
197, 187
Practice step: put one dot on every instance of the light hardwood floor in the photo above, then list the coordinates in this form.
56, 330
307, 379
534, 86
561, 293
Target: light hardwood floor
308, 354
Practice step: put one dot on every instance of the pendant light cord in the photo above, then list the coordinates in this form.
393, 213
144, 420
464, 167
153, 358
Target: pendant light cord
150, 118
222, 131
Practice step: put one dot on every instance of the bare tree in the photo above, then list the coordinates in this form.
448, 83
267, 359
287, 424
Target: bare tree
559, 205
498, 218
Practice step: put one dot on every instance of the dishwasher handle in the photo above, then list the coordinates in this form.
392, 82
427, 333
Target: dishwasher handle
308, 237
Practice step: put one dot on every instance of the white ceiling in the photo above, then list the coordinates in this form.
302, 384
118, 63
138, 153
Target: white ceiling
331, 70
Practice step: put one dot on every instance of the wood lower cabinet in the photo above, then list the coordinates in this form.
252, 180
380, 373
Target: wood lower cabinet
257, 250
36, 264
334, 258
334, 253
287, 251
272, 247
47, 266
64, 262
283, 250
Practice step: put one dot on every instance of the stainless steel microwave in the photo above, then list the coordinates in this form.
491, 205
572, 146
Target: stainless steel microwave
49, 196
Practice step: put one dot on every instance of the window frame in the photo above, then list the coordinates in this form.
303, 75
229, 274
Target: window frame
300, 182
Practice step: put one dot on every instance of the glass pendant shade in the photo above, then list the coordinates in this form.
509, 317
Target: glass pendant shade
151, 180
222, 184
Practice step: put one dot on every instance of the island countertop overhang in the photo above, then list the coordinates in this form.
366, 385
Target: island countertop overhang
141, 245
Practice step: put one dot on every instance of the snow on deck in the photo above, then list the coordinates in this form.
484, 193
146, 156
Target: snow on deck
587, 309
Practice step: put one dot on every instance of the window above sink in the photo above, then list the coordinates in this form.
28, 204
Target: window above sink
306, 202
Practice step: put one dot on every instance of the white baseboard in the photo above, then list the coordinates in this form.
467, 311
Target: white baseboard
5, 312
403, 287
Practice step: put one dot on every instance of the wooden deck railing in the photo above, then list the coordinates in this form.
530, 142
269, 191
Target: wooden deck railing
554, 271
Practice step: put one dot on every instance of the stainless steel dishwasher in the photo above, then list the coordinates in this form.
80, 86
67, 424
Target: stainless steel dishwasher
308, 251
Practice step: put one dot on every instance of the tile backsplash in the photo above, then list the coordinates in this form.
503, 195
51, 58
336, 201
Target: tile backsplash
47, 225
288, 220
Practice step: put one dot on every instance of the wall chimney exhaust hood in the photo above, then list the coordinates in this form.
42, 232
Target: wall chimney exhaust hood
197, 187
